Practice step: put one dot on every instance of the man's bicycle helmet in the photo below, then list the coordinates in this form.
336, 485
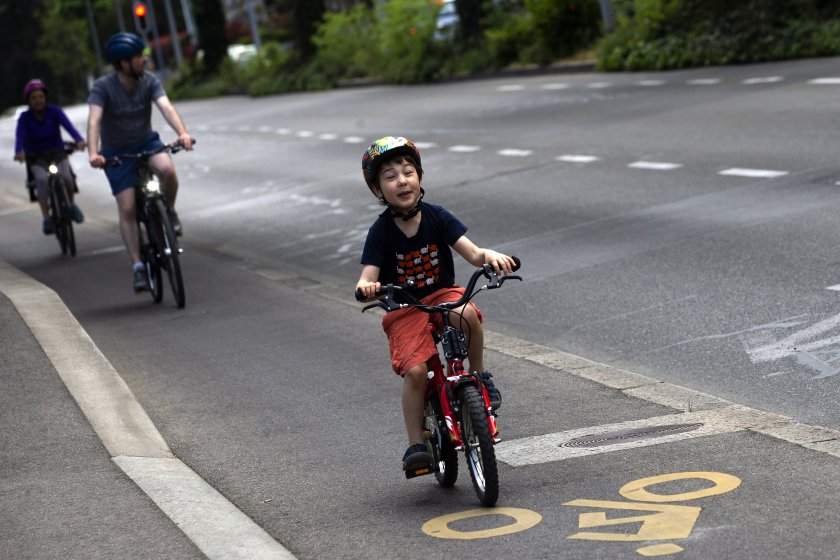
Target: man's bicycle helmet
123, 46
33, 85
385, 148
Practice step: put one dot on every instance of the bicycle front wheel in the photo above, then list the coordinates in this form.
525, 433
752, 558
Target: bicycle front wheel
150, 240
64, 221
478, 446
170, 254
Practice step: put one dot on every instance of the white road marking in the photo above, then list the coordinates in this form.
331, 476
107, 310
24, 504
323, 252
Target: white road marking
825, 81
283, 131
554, 86
327, 136
510, 87
464, 149
425, 145
513, 152
651, 83
704, 82
655, 165
264, 128
756, 173
835, 287
764, 80
353, 139
599, 85
305, 134
549, 447
574, 158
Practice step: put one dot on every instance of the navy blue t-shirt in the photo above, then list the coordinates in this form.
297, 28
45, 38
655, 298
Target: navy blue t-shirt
425, 258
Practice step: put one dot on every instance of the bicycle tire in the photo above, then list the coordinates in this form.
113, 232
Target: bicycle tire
65, 218
149, 242
55, 212
170, 254
478, 446
443, 453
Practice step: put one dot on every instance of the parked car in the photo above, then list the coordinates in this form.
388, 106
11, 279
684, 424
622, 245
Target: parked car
446, 24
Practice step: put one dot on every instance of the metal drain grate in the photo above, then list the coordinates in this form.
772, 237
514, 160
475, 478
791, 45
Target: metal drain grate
625, 436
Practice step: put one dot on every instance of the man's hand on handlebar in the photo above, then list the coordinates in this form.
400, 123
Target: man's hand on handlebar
186, 141
97, 160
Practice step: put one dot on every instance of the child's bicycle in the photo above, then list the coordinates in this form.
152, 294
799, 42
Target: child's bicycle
458, 414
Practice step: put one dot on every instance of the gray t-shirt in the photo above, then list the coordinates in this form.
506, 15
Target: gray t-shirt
126, 115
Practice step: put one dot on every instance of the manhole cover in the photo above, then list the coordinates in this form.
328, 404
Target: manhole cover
624, 436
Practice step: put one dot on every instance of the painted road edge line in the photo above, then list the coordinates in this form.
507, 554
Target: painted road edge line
217, 527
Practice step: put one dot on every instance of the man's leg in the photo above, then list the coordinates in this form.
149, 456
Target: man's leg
162, 166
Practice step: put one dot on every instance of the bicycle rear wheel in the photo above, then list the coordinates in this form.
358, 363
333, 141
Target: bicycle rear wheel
444, 456
478, 446
170, 254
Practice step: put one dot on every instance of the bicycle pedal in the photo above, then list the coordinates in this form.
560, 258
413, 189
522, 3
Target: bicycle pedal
413, 473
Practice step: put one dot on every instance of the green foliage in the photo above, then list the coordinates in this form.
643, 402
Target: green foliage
63, 46
668, 34
406, 52
544, 31
344, 43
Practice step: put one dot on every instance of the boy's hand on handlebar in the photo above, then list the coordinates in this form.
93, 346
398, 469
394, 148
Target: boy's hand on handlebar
368, 290
501, 263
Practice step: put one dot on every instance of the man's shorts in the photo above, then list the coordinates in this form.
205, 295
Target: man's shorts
409, 339
124, 175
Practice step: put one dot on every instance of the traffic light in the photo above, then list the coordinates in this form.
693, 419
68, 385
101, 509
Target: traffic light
140, 11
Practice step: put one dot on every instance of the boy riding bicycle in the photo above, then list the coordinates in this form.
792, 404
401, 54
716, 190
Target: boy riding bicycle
412, 240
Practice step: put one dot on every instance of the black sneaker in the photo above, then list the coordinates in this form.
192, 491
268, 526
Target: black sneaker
416, 457
176, 223
492, 392
140, 282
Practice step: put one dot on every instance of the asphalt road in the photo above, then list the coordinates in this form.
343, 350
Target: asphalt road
678, 225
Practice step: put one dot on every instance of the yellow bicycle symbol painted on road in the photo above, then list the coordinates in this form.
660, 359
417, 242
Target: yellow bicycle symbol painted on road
664, 522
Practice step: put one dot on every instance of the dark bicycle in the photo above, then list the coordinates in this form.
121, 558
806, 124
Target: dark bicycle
61, 206
159, 248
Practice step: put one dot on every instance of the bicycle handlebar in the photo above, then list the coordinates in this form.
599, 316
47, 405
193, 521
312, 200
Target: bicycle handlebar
172, 148
388, 290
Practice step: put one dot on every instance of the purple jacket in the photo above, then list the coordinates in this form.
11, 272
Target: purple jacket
35, 137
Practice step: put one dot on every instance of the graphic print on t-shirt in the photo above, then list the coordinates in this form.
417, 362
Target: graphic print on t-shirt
422, 266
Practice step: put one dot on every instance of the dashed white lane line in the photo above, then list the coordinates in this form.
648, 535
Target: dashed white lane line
425, 145
825, 81
219, 529
513, 152
353, 139
283, 131
754, 173
327, 136
462, 149
304, 134
762, 80
599, 85
655, 165
510, 87
575, 158
554, 86
704, 82
835, 288
651, 83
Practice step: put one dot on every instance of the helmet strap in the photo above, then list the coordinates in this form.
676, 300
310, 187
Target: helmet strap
411, 213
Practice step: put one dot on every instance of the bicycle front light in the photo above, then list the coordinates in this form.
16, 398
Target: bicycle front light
53, 168
152, 186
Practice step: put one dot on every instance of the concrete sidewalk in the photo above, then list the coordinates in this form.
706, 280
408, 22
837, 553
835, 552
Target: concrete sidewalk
83, 471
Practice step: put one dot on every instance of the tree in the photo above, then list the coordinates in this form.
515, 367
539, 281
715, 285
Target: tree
210, 20
307, 15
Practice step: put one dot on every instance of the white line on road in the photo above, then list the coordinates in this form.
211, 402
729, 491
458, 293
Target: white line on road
353, 139
651, 83
599, 85
575, 158
513, 152
764, 80
825, 81
554, 86
464, 149
655, 165
510, 87
704, 82
425, 145
756, 173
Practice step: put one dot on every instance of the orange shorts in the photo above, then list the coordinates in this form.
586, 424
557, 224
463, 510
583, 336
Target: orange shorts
409, 339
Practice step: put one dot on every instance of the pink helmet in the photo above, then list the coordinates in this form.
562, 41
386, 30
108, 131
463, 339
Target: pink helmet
31, 86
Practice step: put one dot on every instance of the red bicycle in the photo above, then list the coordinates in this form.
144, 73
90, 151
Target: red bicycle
458, 415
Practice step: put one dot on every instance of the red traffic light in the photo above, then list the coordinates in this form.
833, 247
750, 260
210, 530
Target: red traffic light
139, 9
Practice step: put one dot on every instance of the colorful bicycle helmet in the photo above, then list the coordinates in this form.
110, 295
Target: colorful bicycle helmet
385, 148
33, 85
123, 46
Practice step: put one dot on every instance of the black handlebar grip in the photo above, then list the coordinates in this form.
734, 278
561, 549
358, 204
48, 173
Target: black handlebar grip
517, 263
359, 295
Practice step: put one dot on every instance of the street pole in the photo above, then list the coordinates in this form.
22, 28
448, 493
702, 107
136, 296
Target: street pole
156, 35
607, 15
173, 33
120, 18
189, 20
95, 36
252, 19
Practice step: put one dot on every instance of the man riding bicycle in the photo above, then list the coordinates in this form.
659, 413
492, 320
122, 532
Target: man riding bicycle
121, 112
38, 142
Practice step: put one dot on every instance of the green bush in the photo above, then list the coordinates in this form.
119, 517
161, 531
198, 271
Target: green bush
669, 34
347, 43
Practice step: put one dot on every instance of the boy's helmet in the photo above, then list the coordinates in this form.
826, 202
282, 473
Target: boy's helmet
123, 46
33, 85
384, 148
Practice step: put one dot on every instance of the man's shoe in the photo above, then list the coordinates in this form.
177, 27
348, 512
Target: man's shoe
416, 457
140, 282
176, 223
48, 227
492, 392
78, 217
